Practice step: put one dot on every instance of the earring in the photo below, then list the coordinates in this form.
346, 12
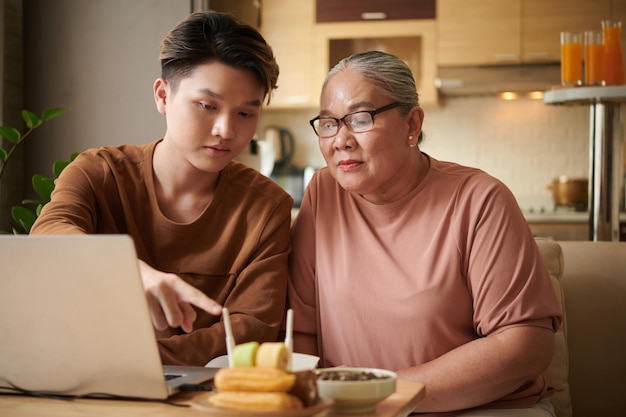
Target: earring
411, 145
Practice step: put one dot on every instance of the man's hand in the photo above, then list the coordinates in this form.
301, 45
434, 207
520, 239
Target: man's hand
170, 299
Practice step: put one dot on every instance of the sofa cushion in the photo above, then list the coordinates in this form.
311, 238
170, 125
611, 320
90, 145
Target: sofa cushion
558, 372
594, 283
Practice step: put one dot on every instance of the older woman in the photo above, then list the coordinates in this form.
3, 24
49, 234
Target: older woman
404, 262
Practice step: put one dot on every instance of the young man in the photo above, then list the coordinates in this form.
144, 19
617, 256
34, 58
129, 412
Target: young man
209, 231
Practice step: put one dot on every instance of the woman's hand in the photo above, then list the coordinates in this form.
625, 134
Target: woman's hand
170, 299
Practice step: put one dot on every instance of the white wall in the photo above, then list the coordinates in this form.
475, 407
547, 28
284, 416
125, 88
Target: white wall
524, 143
100, 58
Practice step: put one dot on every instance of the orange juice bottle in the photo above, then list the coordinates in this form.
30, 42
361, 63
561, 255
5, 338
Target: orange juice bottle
613, 56
571, 59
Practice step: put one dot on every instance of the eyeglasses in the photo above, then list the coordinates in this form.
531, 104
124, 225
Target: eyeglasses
357, 122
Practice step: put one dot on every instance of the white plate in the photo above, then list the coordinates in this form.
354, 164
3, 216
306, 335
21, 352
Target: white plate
299, 362
202, 403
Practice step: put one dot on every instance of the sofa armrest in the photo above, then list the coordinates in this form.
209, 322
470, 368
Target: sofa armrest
558, 371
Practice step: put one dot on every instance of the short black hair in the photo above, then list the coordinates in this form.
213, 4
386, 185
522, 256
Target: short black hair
216, 37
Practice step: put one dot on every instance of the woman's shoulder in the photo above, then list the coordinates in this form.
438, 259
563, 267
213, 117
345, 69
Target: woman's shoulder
455, 173
454, 168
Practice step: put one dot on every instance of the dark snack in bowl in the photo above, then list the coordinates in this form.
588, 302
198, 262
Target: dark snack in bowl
348, 375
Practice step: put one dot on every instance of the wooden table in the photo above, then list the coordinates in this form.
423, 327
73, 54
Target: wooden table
406, 397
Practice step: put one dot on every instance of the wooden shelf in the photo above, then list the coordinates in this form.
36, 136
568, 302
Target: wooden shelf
604, 139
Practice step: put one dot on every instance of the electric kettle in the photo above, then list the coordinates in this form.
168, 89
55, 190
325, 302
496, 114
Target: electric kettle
259, 155
271, 153
283, 144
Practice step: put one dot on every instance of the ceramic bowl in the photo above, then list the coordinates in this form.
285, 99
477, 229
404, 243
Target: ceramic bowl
355, 390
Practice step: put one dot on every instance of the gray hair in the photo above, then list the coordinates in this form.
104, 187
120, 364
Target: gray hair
386, 71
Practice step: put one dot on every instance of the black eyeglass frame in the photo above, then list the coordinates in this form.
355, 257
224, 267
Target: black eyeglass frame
342, 120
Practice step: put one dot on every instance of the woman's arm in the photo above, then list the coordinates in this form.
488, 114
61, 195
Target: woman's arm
515, 312
483, 370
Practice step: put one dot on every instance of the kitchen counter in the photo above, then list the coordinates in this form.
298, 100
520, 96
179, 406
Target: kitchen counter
563, 217
539, 217
557, 217
558, 225
565, 225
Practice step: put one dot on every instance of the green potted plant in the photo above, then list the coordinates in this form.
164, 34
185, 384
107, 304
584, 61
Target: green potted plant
43, 186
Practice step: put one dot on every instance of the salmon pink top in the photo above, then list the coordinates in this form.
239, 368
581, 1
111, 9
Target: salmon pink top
396, 285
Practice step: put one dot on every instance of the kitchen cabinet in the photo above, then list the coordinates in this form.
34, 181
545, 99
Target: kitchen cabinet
543, 20
412, 40
288, 27
355, 10
511, 31
306, 50
487, 32
248, 11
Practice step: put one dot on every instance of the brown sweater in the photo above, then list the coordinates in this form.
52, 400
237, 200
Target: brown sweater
235, 251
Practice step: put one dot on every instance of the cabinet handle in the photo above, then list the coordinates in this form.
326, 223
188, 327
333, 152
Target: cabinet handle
373, 15
537, 55
506, 57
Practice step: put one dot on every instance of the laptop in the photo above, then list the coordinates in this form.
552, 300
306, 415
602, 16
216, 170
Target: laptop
74, 320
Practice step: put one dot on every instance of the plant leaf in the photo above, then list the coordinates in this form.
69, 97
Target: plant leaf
58, 166
43, 186
10, 133
23, 217
3, 155
29, 201
31, 119
53, 112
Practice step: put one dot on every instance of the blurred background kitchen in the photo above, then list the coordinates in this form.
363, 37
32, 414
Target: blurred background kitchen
100, 58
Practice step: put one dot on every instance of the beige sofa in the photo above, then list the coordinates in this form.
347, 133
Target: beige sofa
589, 364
